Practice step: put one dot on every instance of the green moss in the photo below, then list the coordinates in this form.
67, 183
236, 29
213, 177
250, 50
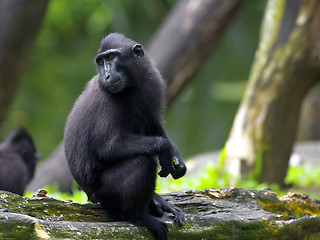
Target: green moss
296, 209
53, 209
14, 229
114, 230
223, 231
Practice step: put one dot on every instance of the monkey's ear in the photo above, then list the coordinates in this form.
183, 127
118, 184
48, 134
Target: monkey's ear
137, 51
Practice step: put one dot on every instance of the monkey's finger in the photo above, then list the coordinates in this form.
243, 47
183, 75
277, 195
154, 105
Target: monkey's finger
164, 173
179, 219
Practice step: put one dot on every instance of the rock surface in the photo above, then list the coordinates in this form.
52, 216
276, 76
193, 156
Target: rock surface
231, 213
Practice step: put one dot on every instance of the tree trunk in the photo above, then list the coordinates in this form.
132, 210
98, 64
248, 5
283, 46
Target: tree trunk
20, 23
286, 66
309, 122
187, 36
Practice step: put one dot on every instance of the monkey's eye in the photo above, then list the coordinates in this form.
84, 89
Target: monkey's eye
109, 58
100, 61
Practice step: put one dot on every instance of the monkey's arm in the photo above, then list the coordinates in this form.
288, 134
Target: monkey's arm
173, 156
131, 145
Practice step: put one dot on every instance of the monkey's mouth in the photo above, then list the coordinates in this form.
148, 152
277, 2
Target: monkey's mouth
113, 86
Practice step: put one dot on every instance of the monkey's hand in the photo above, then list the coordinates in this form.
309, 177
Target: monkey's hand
178, 167
165, 161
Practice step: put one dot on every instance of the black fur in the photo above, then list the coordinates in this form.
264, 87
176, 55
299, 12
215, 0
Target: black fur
18, 157
114, 134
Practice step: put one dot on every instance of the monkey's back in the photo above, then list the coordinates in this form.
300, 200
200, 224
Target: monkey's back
77, 137
13, 172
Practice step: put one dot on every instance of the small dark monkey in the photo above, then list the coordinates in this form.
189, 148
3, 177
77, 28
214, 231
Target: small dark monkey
18, 157
114, 135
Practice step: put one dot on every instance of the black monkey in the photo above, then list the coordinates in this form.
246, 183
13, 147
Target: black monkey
114, 134
18, 157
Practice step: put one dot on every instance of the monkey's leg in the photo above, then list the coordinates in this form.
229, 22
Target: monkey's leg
126, 190
158, 205
158, 228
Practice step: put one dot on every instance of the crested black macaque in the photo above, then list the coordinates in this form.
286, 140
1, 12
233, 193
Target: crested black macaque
115, 133
18, 158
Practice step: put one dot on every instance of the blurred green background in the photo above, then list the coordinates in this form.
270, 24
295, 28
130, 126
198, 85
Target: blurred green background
62, 62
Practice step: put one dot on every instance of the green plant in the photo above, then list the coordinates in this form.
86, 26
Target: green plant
302, 178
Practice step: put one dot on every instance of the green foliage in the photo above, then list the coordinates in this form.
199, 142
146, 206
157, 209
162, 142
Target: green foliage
259, 163
62, 63
62, 60
77, 195
206, 180
304, 175
209, 179
201, 117
303, 179
221, 160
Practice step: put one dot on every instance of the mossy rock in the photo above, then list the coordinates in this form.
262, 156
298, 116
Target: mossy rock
231, 213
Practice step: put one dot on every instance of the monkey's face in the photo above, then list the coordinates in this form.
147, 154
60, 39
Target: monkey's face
115, 67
